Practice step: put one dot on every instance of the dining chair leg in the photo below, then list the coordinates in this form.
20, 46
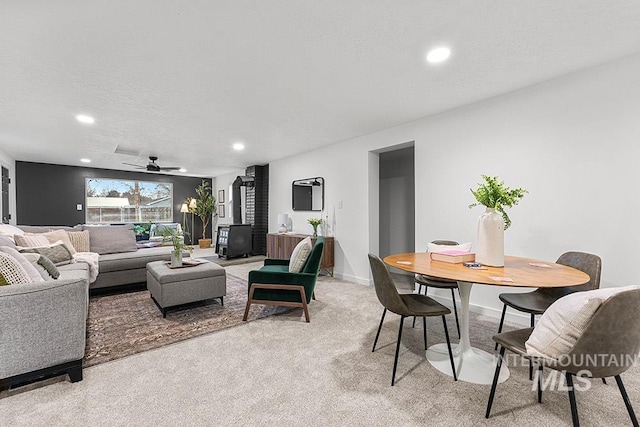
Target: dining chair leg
413, 325
424, 331
494, 384
504, 311
572, 400
533, 321
627, 403
455, 311
395, 362
446, 335
378, 333
540, 383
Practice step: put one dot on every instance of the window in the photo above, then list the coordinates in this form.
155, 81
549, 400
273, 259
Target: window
118, 200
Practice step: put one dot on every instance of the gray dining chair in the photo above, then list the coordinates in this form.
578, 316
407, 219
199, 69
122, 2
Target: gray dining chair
436, 282
405, 305
612, 333
538, 301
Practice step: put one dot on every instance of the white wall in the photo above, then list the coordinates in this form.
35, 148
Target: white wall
573, 142
10, 163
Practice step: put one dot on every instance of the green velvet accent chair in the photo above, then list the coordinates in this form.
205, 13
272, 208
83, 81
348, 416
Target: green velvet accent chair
273, 284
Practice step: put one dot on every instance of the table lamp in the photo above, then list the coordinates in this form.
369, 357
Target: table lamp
283, 219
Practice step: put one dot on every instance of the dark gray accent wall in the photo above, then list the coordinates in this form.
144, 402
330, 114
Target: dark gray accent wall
47, 194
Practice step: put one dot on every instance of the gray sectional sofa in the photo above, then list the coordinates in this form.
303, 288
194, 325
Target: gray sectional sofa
43, 324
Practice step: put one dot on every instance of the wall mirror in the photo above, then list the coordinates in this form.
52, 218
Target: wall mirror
308, 194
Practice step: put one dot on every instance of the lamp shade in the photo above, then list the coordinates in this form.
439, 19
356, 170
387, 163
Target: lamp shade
184, 208
193, 203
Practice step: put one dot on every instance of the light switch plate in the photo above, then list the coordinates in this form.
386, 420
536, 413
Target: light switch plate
79, 207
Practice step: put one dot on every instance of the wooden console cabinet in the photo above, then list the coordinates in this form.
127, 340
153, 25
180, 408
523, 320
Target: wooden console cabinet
280, 245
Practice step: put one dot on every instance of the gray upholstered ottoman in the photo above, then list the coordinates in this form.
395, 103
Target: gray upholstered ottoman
170, 287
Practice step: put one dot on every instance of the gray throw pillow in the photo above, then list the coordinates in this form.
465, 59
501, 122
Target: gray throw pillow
57, 253
111, 239
5, 241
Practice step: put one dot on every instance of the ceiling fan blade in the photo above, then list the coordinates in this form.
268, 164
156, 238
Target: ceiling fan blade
131, 164
169, 168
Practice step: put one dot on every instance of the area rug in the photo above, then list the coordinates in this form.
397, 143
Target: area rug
233, 261
123, 324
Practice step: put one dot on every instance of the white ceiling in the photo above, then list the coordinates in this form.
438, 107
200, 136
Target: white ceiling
183, 80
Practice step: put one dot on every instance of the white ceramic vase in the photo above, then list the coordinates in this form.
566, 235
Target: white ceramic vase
176, 259
490, 239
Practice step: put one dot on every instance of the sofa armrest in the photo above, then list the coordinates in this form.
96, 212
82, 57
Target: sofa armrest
276, 261
42, 325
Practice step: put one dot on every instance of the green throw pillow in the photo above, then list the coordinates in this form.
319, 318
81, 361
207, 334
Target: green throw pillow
49, 266
3, 281
57, 253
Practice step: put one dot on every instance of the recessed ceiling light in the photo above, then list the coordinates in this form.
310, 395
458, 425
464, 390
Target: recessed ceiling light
238, 146
438, 55
85, 160
83, 118
183, 170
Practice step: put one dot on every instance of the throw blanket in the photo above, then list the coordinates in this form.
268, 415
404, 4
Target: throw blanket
90, 258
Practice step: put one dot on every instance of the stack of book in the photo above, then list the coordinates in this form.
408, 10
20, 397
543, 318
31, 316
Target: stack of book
453, 256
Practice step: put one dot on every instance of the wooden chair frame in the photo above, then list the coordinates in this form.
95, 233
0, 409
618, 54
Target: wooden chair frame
298, 288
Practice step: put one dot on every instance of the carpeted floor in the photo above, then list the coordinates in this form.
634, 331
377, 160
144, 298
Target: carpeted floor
279, 370
123, 324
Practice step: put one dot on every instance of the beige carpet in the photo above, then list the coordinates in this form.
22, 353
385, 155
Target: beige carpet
280, 370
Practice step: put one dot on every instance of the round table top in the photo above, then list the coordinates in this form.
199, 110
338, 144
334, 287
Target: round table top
523, 272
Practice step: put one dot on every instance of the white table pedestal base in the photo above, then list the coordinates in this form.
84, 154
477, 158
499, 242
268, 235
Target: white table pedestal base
472, 364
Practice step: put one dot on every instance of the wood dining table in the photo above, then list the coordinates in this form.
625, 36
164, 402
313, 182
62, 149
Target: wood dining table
472, 364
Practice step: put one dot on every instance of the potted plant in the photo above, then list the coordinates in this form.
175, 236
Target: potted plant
495, 197
178, 245
205, 207
315, 222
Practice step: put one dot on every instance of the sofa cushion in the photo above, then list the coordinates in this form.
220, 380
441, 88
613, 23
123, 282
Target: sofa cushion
79, 240
7, 241
11, 272
299, 255
29, 268
45, 228
111, 239
31, 240
9, 231
56, 252
133, 260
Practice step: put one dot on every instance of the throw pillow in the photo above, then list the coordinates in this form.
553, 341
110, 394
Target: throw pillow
563, 323
112, 239
7, 241
45, 267
31, 240
299, 255
11, 272
24, 262
57, 253
464, 247
60, 235
79, 240
9, 230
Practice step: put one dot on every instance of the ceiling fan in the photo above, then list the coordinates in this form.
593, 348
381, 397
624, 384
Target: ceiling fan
152, 166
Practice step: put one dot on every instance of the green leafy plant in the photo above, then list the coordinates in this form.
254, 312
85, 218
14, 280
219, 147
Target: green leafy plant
492, 193
205, 205
176, 240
